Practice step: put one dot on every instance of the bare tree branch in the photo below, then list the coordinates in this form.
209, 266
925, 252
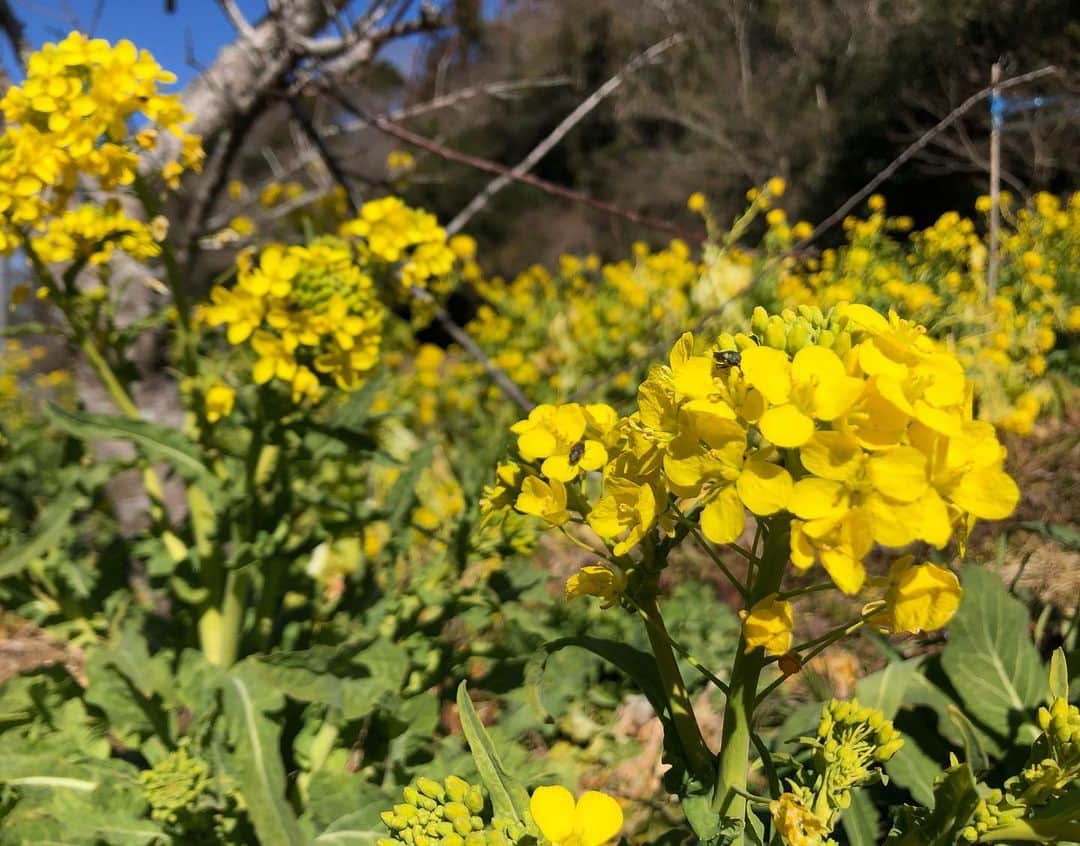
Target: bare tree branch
15, 32
559, 132
441, 150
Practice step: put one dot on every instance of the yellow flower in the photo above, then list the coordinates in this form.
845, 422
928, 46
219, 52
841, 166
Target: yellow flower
593, 820
602, 579
627, 509
813, 386
796, 823
919, 597
546, 501
556, 434
776, 186
219, 402
696, 202
768, 624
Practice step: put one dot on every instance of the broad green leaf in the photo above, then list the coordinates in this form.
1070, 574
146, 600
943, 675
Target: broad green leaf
989, 658
255, 764
508, 797
885, 689
913, 769
53, 523
352, 679
638, 665
157, 442
356, 829
861, 821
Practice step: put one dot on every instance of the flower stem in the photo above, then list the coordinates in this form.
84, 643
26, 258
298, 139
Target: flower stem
698, 756
729, 794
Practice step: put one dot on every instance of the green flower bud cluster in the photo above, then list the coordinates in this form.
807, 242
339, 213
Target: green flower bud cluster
1055, 765
852, 742
174, 784
994, 810
450, 813
792, 330
337, 273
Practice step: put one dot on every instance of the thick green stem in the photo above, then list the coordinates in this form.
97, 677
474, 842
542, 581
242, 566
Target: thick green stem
698, 756
220, 630
728, 796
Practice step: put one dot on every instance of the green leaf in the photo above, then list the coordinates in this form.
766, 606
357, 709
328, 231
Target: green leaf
886, 689
975, 755
1059, 676
354, 829
54, 521
158, 443
635, 663
508, 797
703, 819
913, 769
861, 821
353, 679
255, 764
402, 496
989, 658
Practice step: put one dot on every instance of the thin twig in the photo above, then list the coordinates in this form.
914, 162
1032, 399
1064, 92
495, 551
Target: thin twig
324, 152
415, 139
477, 203
497, 374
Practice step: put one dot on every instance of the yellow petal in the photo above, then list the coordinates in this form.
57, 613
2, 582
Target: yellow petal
263, 371
769, 371
946, 422
802, 549
763, 487
594, 457
865, 318
988, 493
831, 455
536, 443
559, 467
599, 818
693, 378
552, 810
847, 572
722, 520
813, 499
899, 473
922, 597
786, 426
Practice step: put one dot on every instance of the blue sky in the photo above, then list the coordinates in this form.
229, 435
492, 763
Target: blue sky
145, 23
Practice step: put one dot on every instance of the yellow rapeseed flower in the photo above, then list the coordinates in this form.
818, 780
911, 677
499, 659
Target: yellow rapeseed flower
592, 821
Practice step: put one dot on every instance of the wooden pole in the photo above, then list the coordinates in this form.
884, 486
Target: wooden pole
995, 181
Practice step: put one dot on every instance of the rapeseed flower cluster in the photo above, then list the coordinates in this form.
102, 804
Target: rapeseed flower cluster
306, 312
854, 425
554, 331
70, 118
847, 752
391, 234
92, 233
938, 277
